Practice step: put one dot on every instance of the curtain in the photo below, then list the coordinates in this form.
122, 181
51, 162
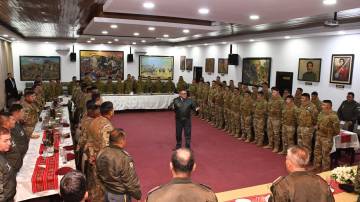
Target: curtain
6, 66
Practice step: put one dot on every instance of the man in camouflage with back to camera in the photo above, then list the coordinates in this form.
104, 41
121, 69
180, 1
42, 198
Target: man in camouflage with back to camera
275, 106
328, 125
306, 121
246, 108
259, 118
288, 129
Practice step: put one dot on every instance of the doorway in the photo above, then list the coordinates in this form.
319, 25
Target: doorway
284, 80
197, 73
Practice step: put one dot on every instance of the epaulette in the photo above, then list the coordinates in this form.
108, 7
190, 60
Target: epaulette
154, 189
277, 180
204, 186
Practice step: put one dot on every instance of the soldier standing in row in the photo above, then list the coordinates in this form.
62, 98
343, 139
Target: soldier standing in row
316, 101
169, 86
157, 86
219, 106
328, 126
211, 103
119, 86
288, 124
148, 85
140, 86
236, 116
275, 106
227, 108
260, 110
181, 85
246, 107
109, 86
128, 85
297, 97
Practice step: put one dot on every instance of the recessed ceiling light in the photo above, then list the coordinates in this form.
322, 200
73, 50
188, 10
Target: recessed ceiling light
43, 12
329, 2
196, 36
134, 43
205, 44
92, 39
143, 41
46, 42
224, 42
151, 28
46, 20
116, 39
166, 36
251, 40
5, 35
136, 34
113, 26
109, 42
13, 39
341, 32
189, 46
287, 37
186, 31
105, 32
254, 17
203, 11
88, 41
148, 5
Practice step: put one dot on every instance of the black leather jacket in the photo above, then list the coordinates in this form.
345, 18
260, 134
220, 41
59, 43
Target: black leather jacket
183, 108
7, 180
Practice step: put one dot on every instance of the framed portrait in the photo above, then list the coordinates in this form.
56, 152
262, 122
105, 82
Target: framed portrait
48, 67
209, 65
189, 64
309, 69
223, 67
156, 66
102, 64
256, 71
182, 63
341, 68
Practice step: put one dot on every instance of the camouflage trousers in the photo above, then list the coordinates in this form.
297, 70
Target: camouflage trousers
219, 117
323, 146
288, 135
227, 118
211, 113
96, 193
245, 126
28, 130
259, 126
305, 136
204, 110
236, 124
273, 131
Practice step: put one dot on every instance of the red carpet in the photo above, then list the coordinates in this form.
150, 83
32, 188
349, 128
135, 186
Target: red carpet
223, 162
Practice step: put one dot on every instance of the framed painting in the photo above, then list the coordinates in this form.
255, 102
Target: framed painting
209, 65
309, 69
223, 67
101, 64
189, 64
156, 66
256, 71
341, 68
182, 63
48, 67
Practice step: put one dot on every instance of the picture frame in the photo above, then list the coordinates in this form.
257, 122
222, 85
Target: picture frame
223, 66
189, 64
256, 71
182, 63
309, 69
102, 64
210, 65
156, 66
47, 67
342, 68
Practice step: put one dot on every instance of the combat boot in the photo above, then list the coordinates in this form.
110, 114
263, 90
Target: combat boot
268, 146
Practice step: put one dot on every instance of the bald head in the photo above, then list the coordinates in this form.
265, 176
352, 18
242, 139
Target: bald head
183, 161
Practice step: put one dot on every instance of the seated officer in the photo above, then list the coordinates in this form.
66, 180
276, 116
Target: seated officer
181, 188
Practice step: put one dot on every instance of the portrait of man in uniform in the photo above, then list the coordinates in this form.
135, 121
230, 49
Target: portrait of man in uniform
342, 68
309, 69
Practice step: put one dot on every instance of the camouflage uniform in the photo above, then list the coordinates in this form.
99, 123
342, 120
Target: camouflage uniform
140, 86
306, 120
82, 141
317, 103
328, 127
288, 126
211, 104
260, 109
119, 87
275, 106
31, 117
100, 86
128, 86
157, 86
227, 110
236, 116
58, 89
297, 100
98, 138
109, 87
169, 87
219, 107
148, 86
246, 108
71, 87
181, 85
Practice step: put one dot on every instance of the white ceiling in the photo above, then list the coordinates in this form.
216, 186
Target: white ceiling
231, 11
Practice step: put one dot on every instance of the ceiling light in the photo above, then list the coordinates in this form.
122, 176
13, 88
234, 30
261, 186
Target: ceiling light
186, 31
341, 32
134, 43
223, 42
254, 17
151, 28
166, 36
189, 46
148, 5
13, 39
104, 32
205, 44
143, 41
116, 39
196, 36
203, 11
5, 35
109, 42
92, 39
45, 20
287, 37
329, 2
136, 34
46, 42
251, 40
88, 41
113, 26
43, 12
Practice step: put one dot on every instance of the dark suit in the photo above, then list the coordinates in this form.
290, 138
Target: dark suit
182, 108
10, 89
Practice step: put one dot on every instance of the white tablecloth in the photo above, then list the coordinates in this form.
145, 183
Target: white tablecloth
124, 102
23, 178
354, 142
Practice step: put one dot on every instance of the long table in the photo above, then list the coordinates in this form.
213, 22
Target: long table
265, 189
145, 101
23, 178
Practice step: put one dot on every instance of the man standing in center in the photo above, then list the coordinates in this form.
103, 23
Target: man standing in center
275, 106
183, 106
